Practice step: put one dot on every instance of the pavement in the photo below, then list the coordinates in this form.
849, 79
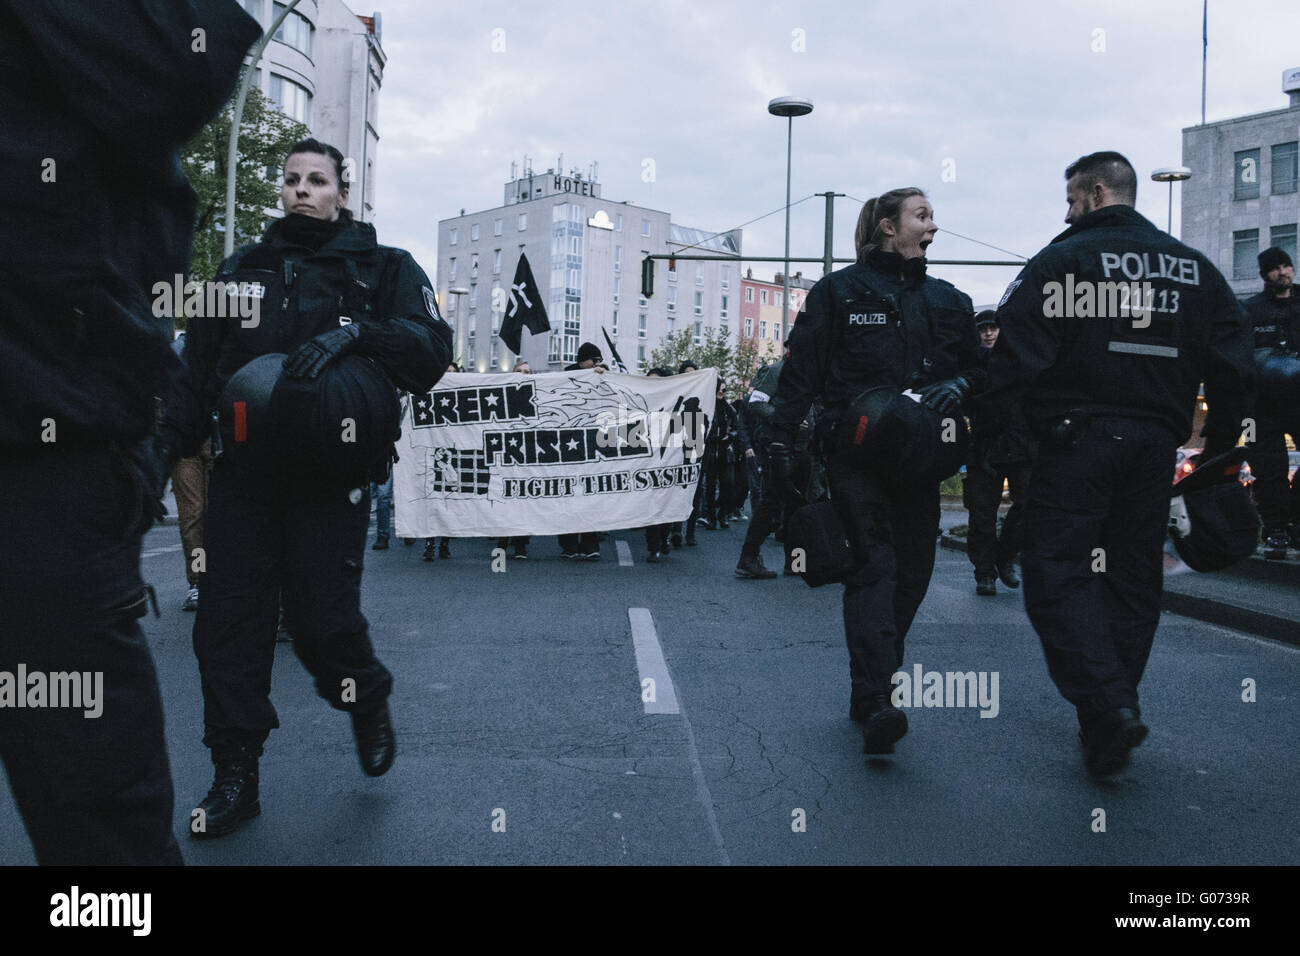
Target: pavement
528, 734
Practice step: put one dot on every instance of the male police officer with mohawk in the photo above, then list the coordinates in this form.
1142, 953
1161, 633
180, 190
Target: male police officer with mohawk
1107, 377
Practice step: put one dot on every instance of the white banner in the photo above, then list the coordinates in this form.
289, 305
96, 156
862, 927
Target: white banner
555, 453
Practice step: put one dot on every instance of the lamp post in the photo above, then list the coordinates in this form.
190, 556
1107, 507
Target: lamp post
232, 148
789, 107
457, 292
1171, 175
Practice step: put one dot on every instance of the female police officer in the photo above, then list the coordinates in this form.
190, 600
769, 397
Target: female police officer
881, 322
340, 306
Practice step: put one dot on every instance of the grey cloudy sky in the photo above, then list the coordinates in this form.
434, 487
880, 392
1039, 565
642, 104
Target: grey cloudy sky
1010, 91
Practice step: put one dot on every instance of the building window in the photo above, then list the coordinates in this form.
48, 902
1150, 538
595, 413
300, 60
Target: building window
496, 261
749, 293
469, 353
672, 323
699, 303
613, 324
295, 31
672, 271
698, 331
762, 297
473, 233
1284, 237
726, 277
777, 298
672, 298
618, 222
640, 359
1245, 250
1284, 168
553, 349
523, 221
645, 228
618, 287
472, 328
724, 306
473, 267
496, 227
762, 328
452, 270
776, 331
292, 99
640, 326
473, 294
618, 258
644, 302
492, 356
453, 236
497, 302
699, 275
749, 326
496, 324
1245, 174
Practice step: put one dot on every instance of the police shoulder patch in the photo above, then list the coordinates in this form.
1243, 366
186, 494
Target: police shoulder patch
430, 302
1015, 284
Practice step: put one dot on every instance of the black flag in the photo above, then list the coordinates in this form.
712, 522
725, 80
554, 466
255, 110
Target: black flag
524, 308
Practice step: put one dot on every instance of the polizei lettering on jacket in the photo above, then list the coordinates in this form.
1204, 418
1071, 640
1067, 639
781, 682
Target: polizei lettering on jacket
868, 318
1136, 266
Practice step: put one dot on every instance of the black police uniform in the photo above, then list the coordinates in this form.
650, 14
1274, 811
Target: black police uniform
1277, 328
1112, 398
96, 211
992, 554
305, 536
879, 322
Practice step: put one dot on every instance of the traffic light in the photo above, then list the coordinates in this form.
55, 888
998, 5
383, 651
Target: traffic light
647, 277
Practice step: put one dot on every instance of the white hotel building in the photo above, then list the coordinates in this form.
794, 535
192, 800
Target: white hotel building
585, 252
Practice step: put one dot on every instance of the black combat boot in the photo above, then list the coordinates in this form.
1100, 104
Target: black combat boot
233, 797
376, 743
883, 725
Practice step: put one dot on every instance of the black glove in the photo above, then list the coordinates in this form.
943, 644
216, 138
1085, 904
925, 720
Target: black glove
312, 356
780, 467
946, 397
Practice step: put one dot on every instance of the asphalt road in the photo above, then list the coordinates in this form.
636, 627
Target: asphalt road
523, 736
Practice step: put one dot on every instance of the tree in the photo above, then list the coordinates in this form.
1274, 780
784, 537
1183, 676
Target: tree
717, 349
265, 135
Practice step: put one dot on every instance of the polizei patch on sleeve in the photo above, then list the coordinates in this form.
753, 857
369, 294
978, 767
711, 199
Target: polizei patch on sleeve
1015, 284
430, 302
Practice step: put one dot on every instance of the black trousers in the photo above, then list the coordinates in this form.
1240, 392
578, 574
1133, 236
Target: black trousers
1277, 498
893, 540
769, 509
1093, 565
656, 536
584, 543
982, 495
92, 790
304, 540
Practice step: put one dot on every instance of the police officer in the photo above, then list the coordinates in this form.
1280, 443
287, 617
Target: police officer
879, 322
992, 555
1275, 313
1105, 336
96, 211
327, 292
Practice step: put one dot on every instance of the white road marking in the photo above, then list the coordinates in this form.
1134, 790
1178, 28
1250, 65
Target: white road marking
624, 553
151, 552
650, 663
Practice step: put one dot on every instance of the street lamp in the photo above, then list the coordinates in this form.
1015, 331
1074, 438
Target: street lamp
1171, 175
789, 107
457, 292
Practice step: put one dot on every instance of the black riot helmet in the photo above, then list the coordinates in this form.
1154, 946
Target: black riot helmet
1212, 520
339, 426
901, 441
244, 412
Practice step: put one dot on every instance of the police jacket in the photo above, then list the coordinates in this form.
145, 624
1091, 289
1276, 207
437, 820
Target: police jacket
1276, 321
1116, 317
879, 322
95, 103
293, 293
